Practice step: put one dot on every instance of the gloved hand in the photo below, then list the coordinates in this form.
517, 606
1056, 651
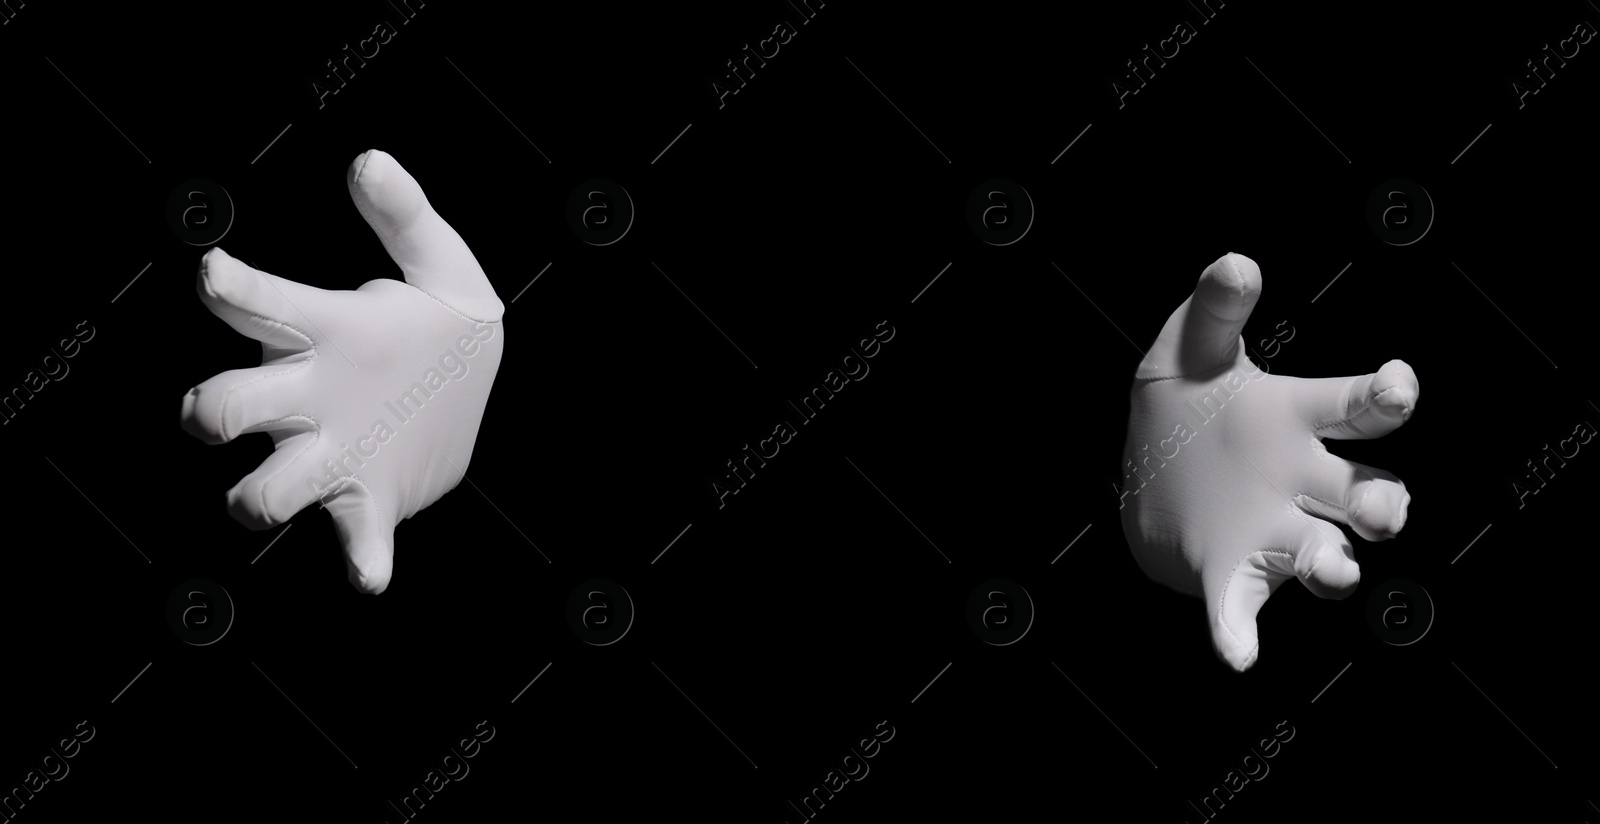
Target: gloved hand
1229, 491
373, 397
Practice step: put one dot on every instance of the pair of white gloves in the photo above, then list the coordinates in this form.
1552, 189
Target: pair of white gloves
373, 399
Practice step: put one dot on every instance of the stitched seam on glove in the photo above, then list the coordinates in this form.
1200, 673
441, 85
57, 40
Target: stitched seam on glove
355, 480
316, 435
1319, 500
1355, 511
1222, 598
297, 330
1370, 403
1310, 573
229, 393
458, 312
1216, 370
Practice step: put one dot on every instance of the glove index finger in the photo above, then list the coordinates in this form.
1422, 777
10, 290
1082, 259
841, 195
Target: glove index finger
256, 304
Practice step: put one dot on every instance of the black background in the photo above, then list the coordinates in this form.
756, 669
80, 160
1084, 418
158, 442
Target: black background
796, 218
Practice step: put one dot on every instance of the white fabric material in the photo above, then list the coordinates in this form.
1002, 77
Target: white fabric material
1228, 491
373, 397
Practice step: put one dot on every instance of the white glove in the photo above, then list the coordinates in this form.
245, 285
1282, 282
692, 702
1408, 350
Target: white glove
373, 397
1227, 482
